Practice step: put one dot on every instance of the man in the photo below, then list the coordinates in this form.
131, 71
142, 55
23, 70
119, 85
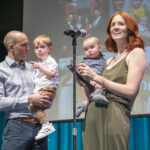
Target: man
16, 93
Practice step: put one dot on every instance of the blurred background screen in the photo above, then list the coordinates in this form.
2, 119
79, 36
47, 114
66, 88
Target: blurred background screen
53, 17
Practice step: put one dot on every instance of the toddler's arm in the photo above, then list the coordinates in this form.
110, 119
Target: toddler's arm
48, 73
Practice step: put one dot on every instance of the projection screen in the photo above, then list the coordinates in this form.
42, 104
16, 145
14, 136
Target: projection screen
53, 17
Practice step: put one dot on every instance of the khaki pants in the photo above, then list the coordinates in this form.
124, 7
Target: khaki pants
41, 115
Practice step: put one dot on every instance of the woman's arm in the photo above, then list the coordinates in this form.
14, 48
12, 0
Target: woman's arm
136, 67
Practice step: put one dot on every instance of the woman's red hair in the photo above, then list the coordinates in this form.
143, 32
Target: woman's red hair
134, 39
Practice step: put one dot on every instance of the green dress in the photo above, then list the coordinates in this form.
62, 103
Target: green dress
107, 128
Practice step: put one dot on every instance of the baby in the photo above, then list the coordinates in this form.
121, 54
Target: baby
95, 60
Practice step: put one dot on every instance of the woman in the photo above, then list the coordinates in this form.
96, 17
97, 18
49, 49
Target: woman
107, 128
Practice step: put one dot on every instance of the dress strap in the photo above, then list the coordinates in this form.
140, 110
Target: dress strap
114, 58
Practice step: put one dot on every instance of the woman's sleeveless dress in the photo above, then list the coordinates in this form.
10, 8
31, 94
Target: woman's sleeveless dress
107, 128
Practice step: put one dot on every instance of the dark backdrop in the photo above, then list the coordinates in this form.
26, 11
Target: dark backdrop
11, 12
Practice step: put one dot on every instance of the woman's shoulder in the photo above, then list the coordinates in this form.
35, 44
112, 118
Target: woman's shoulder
136, 53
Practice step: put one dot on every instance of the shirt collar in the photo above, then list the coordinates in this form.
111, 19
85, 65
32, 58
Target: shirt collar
98, 57
12, 63
42, 60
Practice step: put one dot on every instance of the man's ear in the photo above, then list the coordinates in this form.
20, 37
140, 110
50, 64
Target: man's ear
10, 46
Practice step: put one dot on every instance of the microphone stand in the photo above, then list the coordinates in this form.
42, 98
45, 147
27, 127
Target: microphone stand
74, 34
74, 130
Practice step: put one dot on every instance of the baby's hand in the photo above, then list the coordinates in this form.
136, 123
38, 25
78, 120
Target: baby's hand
80, 82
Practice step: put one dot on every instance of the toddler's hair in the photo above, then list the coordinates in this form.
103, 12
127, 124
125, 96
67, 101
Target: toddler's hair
47, 40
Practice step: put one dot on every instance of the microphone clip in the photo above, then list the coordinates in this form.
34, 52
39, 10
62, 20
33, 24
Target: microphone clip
75, 33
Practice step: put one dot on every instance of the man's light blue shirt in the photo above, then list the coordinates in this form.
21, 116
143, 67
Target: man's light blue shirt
16, 84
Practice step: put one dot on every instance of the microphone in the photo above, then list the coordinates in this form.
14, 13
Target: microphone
75, 33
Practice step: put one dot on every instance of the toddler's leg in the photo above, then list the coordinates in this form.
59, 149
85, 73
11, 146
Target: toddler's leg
40, 114
47, 128
50, 91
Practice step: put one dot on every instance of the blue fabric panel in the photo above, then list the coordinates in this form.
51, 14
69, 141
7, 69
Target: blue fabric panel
62, 138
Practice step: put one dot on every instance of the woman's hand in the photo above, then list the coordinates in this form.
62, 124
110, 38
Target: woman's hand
86, 71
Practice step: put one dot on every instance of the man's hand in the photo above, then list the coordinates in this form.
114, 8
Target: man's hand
39, 99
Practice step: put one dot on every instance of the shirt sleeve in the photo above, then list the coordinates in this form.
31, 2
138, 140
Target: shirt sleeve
52, 64
8, 103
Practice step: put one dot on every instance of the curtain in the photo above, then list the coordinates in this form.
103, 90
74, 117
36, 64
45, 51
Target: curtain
62, 138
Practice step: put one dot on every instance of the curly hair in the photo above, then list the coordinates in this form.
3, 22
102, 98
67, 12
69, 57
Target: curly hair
134, 38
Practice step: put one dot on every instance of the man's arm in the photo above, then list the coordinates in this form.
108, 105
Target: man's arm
9, 103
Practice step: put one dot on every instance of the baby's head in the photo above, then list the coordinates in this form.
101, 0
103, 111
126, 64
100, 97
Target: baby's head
42, 46
137, 3
92, 47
